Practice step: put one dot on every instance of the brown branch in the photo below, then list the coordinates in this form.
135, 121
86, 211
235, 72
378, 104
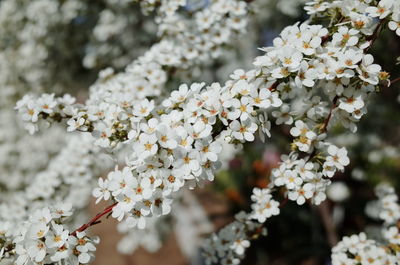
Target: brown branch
284, 202
375, 34
328, 223
273, 86
94, 220
325, 126
394, 81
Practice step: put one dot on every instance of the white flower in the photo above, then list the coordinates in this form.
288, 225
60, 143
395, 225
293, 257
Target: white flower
242, 87
308, 43
177, 96
263, 207
38, 230
238, 74
187, 163
350, 58
301, 194
119, 181
75, 123
30, 112
166, 137
306, 75
46, 103
143, 108
61, 210
261, 98
304, 134
368, 71
392, 234
208, 151
265, 126
136, 219
101, 192
305, 169
338, 157
292, 181
84, 246
283, 116
36, 250
240, 245
383, 9
243, 130
353, 101
263, 211
160, 205
146, 146
290, 58
102, 132
395, 23
345, 37
241, 108
41, 216
57, 237
150, 126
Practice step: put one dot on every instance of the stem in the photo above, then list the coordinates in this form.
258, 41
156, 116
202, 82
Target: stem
274, 86
284, 202
394, 81
94, 220
328, 223
375, 34
325, 126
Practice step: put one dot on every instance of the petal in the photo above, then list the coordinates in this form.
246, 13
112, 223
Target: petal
84, 258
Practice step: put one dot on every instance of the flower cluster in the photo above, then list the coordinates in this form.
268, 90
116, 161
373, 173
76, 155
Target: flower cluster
44, 239
304, 179
177, 146
389, 212
70, 176
229, 245
308, 60
114, 95
357, 249
264, 206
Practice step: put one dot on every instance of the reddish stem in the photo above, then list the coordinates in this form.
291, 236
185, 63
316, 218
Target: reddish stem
395, 81
325, 126
274, 86
284, 202
329, 224
94, 220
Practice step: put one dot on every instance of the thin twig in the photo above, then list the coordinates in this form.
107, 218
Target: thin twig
394, 81
328, 223
94, 220
325, 126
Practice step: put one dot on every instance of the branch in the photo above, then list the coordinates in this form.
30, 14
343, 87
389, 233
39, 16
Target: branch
94, 220
394, 81
328, 223
325, 126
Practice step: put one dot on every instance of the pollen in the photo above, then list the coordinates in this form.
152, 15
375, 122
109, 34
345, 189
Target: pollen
143, 110
171, 178
186, 160
287, 61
